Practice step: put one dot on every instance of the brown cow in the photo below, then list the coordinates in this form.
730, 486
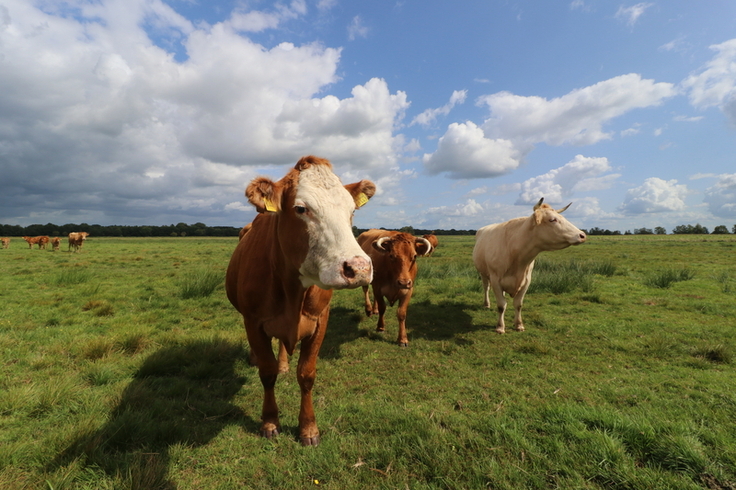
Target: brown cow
5, 242
432, 239
55, 243
41, 241
282, 272
394, 255
76, 240
504, 254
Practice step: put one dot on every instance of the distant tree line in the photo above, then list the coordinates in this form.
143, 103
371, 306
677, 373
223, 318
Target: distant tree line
419, 231
200, 229
180, 229
697, 229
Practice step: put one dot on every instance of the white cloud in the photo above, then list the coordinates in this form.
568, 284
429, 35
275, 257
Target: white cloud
102, 108
582, 174
576, 118
429, 116
715, 84
357, 29
721, 198
631, 14
465, 152
258, 21
655, 196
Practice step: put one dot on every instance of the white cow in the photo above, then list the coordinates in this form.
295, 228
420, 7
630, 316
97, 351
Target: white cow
504, 254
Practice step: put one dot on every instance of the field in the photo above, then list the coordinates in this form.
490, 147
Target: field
124, 366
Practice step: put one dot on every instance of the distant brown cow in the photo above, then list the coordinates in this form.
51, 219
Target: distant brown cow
432, 239
41, 241
282, 273
76, 240
394, 255
5, 242
55, 243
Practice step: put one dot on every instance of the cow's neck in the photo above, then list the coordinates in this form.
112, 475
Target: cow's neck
528, 246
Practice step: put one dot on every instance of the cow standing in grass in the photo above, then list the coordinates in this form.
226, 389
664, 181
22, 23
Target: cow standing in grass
55, 243
41, 241
5, 242
281, 275
76, 240
504, 254
394, 256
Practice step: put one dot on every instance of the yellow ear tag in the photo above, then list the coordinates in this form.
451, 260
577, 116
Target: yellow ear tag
269, 205
361, 200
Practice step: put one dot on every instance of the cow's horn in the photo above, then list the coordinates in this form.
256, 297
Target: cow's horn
563, 209
381, 241
536, 206
426, 242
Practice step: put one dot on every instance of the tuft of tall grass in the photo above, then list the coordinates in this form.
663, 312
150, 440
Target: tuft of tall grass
666, 278
200, 283
563, 277
73, 275
718, 353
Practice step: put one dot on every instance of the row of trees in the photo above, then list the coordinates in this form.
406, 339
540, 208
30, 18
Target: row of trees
697, 229
180, 229
200, 229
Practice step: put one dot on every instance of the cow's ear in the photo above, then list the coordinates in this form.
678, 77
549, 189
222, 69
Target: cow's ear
264, 194
361, 191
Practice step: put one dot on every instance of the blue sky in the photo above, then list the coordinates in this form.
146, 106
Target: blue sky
463, 113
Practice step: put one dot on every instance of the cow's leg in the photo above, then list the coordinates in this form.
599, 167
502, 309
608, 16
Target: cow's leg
268, 371
403, 307
283, 359
306, 374
500, 307
518, 305
486, 290
367, 303
381, 307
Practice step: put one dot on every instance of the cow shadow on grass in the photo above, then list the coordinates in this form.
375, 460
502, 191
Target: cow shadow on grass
443, 321
180, 395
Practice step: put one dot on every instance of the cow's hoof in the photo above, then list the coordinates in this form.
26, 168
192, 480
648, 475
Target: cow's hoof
310, 441
501, 330
403, 344
283, 369
381, 330
270, 432
520, 328
368, 313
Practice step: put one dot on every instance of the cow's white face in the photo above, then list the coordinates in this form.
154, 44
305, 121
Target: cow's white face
554, 232
334, 259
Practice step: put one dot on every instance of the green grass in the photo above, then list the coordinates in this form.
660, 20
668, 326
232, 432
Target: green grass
115, 380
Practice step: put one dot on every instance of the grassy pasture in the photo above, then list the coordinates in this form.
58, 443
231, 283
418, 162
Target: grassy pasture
124, 366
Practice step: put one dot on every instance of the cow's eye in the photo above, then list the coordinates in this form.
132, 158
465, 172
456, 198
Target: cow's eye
553, 220
300, 209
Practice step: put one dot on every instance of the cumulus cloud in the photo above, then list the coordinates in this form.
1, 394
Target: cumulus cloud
715, 84
105, 122
582, 174
721, 198
631, 14
655, 196
465, 152
576, 118
429, 116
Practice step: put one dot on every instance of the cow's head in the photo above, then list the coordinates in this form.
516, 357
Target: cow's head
401, 251
552, 230
315, 216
